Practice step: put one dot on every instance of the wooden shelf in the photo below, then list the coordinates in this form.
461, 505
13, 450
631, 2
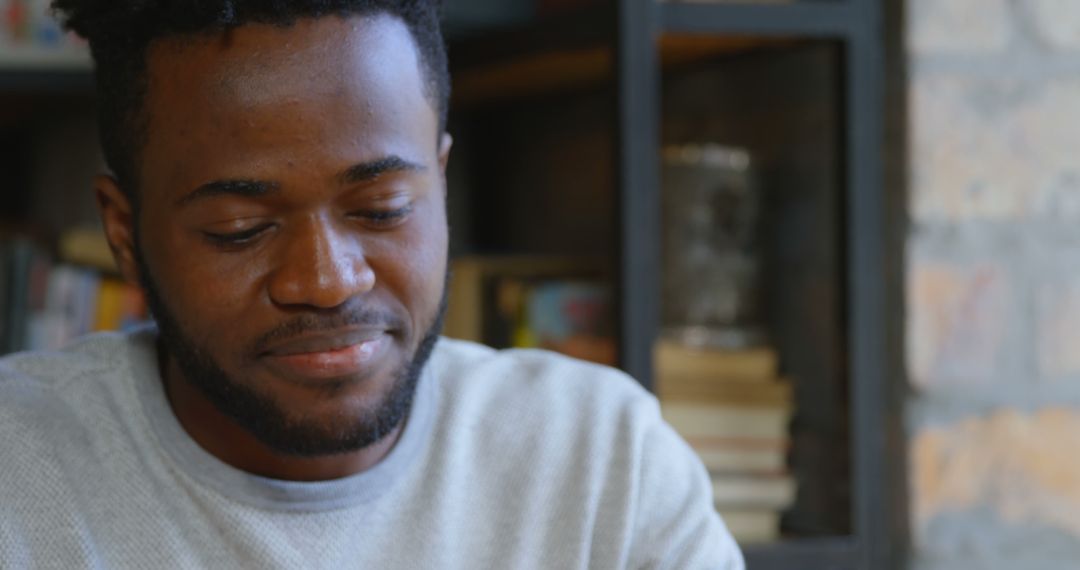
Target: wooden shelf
576, 50
33, 70
532, 75
30, 58
556, 71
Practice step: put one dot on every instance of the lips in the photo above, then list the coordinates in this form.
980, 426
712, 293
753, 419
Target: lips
330, 355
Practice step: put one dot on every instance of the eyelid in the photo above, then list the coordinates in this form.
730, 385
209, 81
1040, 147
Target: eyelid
388, 197
382, 216
241, 237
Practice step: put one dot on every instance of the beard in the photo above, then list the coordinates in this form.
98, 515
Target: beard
264, 417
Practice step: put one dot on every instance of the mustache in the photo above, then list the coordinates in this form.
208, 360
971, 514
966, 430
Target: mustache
328, 321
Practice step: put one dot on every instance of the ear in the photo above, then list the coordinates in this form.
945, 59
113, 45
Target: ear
117, 215
445, 142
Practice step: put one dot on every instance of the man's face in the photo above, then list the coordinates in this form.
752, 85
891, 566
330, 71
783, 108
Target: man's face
292, 226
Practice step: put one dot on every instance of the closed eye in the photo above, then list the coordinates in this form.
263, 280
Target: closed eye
383, 218
236, 238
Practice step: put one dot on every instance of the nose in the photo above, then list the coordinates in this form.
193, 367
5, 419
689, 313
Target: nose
321, 266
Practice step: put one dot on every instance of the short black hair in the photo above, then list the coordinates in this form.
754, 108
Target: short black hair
120, 33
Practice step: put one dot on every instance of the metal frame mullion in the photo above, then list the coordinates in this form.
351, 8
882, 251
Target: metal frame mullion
638, 136
867, 255
801, 19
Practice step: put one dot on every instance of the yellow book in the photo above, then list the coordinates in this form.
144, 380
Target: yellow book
468, 301
746, 456
110, 303
676, 363
758, 492
736, 391
752, 526
88, 247
708, 422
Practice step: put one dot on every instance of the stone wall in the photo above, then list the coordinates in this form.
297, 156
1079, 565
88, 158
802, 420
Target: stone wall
993, 283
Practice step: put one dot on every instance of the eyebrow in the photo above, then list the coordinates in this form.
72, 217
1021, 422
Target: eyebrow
367, 171
356, 174
245, 188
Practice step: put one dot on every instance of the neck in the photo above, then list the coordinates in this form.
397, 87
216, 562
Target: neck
223, 438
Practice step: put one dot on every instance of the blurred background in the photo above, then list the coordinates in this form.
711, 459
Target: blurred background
836, 237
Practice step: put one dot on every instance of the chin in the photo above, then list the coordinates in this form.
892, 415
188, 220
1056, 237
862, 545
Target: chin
331, 416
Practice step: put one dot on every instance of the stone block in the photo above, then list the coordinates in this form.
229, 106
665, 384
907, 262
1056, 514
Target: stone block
1057, 22
994, 149
978, 539
957, 319
1058, 324
958, 26
1006, 470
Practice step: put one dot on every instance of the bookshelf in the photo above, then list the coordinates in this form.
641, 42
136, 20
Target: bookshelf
49, 151
42, 60
611, 81
32, 58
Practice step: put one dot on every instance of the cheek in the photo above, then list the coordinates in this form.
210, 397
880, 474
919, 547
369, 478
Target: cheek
429, 263
412, 264
204, 292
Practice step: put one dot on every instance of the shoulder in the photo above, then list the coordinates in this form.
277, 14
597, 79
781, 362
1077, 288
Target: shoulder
588, 440
55, 371
535, 377
59, 385
541, 392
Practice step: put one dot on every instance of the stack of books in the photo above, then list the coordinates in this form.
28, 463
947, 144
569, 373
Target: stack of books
45, 305
555, 303
733, 409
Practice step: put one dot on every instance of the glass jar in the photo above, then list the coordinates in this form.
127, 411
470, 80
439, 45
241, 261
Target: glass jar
711, 261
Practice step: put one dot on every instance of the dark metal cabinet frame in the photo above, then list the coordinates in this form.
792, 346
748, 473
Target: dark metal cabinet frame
857, 25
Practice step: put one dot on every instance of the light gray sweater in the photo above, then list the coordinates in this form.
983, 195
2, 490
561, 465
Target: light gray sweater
509, 460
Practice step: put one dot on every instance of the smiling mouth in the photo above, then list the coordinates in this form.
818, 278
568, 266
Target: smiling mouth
330, 355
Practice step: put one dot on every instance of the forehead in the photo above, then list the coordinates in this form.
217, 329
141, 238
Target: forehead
328, 84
